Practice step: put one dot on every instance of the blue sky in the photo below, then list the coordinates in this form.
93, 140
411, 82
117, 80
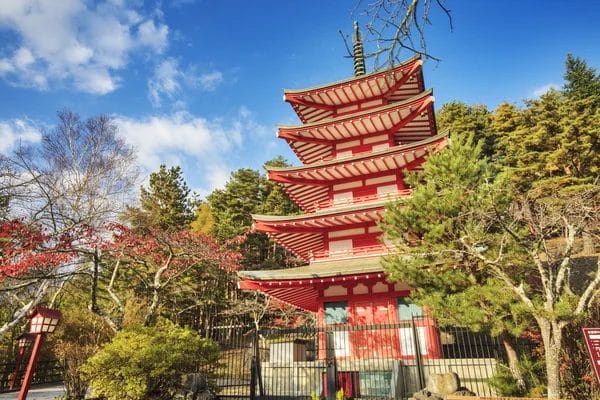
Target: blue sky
200, 83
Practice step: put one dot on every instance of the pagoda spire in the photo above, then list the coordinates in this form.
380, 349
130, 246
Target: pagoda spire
359, 55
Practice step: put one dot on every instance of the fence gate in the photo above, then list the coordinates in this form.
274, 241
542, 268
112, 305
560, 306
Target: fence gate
235, 374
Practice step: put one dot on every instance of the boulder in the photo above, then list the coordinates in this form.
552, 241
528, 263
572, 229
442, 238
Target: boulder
444, 383
426, 395
196, 385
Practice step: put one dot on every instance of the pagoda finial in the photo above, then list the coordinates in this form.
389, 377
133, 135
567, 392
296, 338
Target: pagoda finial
359, 55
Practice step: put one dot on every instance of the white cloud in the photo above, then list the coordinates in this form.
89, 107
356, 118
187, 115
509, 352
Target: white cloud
153, 36
15, 132
75, 42
165, 80
169, 78
203, 144
205, 149
537, 92
211, 80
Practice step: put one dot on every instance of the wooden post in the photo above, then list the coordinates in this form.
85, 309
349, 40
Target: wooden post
37, 344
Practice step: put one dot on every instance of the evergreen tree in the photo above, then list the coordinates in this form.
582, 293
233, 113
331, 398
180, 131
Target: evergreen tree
428, 223
456, 116
506, 119
581, 81
165, 203
248, 192
204, 221
233, 206
555, 147
464, 226
274, 199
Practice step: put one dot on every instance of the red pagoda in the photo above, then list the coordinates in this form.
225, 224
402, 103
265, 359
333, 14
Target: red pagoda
357, 138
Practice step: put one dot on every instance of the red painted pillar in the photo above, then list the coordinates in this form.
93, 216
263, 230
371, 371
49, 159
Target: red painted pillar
37, 344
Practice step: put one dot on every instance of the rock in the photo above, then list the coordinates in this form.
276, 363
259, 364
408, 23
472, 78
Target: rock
463, 391
426, 395
196, 386
445, 383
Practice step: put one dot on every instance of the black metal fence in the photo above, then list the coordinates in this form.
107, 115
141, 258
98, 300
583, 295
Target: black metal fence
372, 361
46, 371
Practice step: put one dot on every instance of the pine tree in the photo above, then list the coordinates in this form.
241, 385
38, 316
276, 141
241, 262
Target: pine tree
233, 206
248, 192
465, 226
165, 203
459, 117
581, 81
506, 119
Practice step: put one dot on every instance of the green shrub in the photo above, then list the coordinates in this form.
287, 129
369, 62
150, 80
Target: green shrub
147, 362
78, 337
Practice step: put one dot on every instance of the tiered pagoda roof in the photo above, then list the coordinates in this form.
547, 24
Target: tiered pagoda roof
405, 121
358, 93
304, 234
308, 185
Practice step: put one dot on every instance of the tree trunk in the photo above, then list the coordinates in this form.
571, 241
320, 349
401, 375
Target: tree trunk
152, 309
94, 286
513, 360
552, 338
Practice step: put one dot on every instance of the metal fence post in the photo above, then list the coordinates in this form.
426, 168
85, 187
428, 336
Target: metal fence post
255, 369
418, 355
331, 368
257, 364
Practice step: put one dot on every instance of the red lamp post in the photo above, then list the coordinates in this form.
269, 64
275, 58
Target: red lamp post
43, 321
23, 341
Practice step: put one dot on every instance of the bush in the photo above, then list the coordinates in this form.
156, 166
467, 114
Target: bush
147, 362
533, 374
79, 335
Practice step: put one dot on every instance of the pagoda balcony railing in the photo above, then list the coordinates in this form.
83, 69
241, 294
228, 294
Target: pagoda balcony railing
355, 252
320, 205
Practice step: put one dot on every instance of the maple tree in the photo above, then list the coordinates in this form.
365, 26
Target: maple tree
185, 265
30, 260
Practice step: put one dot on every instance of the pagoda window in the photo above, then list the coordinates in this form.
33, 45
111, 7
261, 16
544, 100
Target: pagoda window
342, 198
407, 310
381, 146
340, 247
336, 313
388, 189
407, 341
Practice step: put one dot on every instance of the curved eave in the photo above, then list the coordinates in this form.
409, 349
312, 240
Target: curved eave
304, 235
318, 221
357, 124
405, 122
300, 286
396, 150
321, 102
309, 185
